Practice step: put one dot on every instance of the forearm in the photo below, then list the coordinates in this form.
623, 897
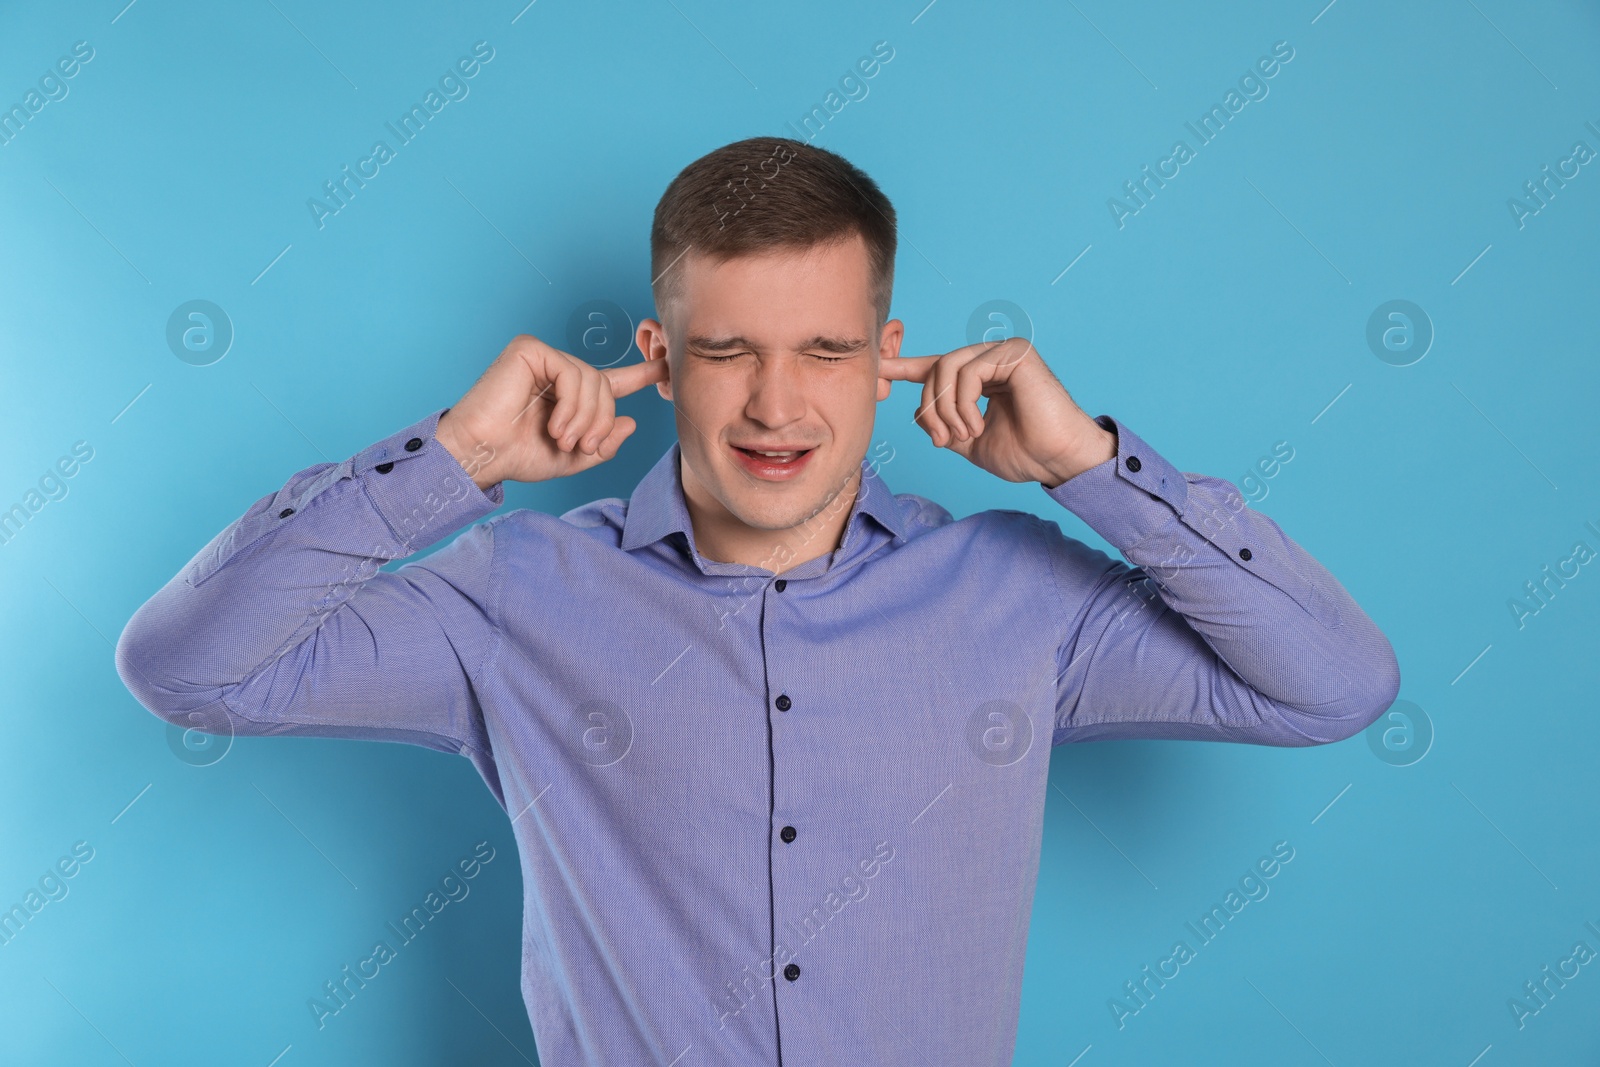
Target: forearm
1272, 613
294, 559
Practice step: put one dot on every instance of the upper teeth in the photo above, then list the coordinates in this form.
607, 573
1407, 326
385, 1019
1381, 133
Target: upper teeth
758, 452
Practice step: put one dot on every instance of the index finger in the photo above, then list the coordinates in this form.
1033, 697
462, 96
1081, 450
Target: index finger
907, 368
635, 376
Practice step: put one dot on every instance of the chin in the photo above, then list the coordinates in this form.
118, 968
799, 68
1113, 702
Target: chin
774, 516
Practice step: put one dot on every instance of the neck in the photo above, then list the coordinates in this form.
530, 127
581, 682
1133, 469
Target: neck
722, 537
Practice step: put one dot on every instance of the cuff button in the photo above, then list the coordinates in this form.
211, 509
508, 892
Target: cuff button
413, 444
1134, 464
384, 468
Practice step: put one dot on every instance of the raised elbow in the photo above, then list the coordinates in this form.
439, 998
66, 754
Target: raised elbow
1375, 695
141, 660
134, 663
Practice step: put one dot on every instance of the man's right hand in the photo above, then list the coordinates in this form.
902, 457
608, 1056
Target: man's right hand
538, 413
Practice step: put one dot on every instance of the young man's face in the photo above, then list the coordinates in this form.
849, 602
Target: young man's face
773, 352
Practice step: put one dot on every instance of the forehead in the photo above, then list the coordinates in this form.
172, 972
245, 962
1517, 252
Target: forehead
779, 295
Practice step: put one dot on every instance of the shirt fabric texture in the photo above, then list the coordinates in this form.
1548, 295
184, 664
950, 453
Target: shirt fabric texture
761, 815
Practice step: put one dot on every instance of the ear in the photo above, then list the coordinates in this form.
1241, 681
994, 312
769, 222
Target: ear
889, 338
652, 341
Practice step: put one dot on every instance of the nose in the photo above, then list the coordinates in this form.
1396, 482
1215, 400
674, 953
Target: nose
776, 397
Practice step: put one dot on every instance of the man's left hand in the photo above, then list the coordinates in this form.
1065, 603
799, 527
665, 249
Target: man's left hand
1033, 431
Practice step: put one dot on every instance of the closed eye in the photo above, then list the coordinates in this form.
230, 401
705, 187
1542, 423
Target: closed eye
725, 359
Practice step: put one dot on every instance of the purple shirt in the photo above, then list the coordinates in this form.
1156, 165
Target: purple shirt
748, 806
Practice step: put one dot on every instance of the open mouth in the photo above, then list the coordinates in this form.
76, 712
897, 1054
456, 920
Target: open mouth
770, 464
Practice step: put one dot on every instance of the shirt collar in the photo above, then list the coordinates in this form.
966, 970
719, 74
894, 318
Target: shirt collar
657, 509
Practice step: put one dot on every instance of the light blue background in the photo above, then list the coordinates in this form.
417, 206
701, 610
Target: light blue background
1226, 316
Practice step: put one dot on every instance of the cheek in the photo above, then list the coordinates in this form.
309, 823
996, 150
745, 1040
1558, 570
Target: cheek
868, 393
711, 398
706, 405
849, 415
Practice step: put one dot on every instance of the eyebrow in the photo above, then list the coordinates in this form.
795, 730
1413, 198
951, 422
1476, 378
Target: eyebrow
842, 345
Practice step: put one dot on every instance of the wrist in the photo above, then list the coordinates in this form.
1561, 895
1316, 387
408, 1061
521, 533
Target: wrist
1095, 447
473, 456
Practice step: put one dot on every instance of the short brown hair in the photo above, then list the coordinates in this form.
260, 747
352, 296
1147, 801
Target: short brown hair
764, 194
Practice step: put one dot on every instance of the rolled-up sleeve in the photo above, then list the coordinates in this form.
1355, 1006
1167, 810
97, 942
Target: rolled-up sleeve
285, 624
1222, 629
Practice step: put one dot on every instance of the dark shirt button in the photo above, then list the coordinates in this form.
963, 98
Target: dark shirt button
416, 443
783, 702
792, 971
384, 468
781, 584
1134, 464
285, 513
1244, 553
787, 833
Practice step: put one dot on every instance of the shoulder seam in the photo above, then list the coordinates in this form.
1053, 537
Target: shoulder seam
1066, 621
1055, 578
493, 604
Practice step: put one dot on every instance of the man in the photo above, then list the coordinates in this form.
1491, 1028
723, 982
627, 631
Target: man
773, 740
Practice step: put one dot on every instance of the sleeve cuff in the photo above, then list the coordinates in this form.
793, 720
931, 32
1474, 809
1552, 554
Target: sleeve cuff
419, 488
1128, 497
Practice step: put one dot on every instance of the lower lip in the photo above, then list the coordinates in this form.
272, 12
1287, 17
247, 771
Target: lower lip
766, 470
